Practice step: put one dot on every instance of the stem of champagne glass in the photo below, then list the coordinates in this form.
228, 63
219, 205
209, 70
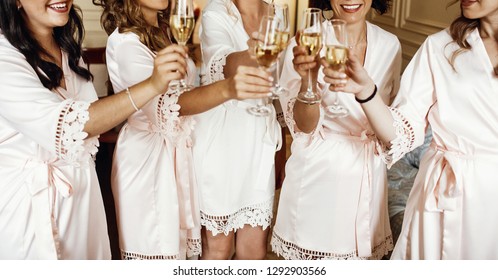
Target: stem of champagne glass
309, 92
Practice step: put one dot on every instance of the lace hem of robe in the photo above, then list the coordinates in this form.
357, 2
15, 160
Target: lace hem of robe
291, 251
177, 129
402, 144
70, 142
254, 215
193, 248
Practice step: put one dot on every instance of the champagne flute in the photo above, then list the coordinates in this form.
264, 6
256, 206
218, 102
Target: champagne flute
266, 53
281, 11
336, 55
311, 38
182, 24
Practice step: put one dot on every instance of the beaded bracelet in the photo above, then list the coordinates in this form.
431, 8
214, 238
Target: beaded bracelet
368, 98
131, 99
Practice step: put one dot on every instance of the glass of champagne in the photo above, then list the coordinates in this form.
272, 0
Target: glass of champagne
182, 24
281, 11
266, 52
336, 55
311, 38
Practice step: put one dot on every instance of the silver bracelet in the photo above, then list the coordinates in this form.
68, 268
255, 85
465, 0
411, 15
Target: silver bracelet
131, 99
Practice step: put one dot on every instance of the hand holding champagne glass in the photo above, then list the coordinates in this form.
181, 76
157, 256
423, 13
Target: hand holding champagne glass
336, 56
311, 38
182, 24
281, 11
266, 52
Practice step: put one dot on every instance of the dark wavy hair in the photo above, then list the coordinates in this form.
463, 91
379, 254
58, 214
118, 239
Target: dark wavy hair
381, 6
127, 16
69, 37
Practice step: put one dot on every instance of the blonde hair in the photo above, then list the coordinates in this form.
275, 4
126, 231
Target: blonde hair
127, 16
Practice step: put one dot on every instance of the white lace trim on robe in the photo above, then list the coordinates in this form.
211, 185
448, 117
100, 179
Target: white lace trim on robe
193, 248
402, 144
177, 129
291, 123
70, 142
291, 251
215, 68
255, 215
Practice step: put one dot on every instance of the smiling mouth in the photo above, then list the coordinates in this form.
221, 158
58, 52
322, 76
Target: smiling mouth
351, 8
59, 7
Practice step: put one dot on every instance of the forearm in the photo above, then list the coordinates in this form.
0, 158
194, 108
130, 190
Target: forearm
380, 119
108, 112
235, 59
203, 98
306, 116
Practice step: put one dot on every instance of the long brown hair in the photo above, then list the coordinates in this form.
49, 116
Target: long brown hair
127, 17
460, 28
69, 38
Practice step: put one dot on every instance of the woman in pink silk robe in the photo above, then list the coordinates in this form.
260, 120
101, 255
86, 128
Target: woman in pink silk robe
451, 84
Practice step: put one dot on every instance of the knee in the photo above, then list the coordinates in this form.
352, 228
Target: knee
216, 250
251, 252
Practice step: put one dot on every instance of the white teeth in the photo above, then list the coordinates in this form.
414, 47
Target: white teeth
58, 6
350, 7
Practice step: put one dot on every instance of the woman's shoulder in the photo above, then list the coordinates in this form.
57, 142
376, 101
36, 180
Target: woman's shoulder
221, 9
217, 5
383, 35
6, 47
124, 41
117, 37
442, 37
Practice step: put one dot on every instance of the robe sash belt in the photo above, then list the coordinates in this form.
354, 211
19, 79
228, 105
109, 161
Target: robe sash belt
185, 182
363, 216
45, 180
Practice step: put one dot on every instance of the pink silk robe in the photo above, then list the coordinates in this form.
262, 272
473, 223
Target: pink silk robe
50, 203
152, 177
451, 212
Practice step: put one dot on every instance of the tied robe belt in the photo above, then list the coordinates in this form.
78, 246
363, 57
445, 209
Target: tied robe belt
46, 176
443, 189
187, 199
362, 224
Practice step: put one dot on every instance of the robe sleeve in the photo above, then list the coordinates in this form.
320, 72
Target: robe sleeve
412, 104
38, 113
135, 64
216, 44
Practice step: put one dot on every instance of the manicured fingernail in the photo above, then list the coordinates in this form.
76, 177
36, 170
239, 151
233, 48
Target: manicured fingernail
270, 78
343, 76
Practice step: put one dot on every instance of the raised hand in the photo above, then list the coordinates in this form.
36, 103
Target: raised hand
170, 64
304, 62
354, 80
249, 83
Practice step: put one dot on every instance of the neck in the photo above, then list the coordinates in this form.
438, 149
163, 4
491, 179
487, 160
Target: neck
489, 28
251, 7
357, 32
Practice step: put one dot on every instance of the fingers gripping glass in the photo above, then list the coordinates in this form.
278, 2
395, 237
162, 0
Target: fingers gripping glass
281, 11
311, 38
182, 24
336, 55
266, 52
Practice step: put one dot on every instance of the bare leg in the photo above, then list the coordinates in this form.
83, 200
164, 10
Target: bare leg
217, 247
251, 243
